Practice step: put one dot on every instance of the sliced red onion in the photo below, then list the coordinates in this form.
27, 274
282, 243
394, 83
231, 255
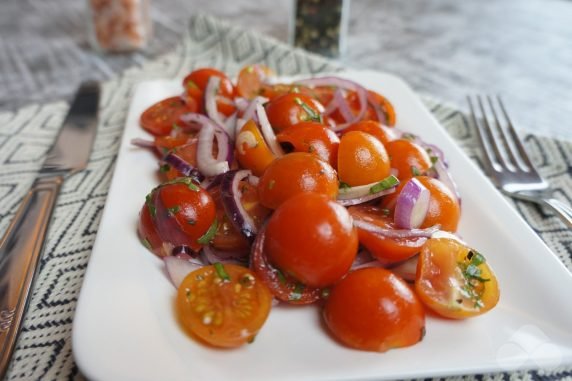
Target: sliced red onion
268, 132
230, 195
363, 257
445, 177
143, 143
411, 205
250, 111
210, 100
185, 252
230, 125
178, 269
183, 166
344, 107
363, 193
396, 233
406, 269
241, 103
208, 165
167, 226
212, 256
253, 180
379, 112
334, 103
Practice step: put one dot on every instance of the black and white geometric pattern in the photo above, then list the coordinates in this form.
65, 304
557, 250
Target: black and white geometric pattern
44, 348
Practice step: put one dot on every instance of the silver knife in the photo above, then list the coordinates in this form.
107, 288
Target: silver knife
22, 245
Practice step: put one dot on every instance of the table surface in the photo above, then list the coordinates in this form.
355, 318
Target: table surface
446, 48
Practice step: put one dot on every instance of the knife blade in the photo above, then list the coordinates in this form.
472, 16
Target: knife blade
22, 244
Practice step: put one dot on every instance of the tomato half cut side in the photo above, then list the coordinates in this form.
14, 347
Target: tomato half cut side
454, 280
283, 286
160, 118
224, 305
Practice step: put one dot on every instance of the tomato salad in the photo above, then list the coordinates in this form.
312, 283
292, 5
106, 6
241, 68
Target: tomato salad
304, 193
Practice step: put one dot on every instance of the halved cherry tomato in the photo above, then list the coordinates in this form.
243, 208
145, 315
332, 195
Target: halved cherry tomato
454, 280
184, 213
444, 209
295, 173
408, 158
311, 137
160, 118
251, 80
283, 286
372, 309
252, 151
311, 238
362, 159
292, 108
372, 127
385, 249
196, 82
224, 305
385, 105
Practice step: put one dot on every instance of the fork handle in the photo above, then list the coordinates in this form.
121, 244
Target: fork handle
562, 210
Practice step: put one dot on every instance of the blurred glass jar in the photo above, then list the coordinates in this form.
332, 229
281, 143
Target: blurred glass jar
320, 26
119, 25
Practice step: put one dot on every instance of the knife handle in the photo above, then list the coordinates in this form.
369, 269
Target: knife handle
20, 250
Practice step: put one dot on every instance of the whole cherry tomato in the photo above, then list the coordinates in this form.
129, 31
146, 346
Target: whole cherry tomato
454, 280
148, 233
224, 305
408, 158
311, 137
183, 213
196, 82
384, 135
292, 108
362, 159
311, 238
386, 249
160, 118
252, 151
295, 173
372, 309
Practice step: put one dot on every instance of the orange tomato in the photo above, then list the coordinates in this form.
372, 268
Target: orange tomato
252, 152
251, 79
362, 159
311, 238
223, 305
311, 137
374, 310
408, 158
371, 127
454, 280
295, 173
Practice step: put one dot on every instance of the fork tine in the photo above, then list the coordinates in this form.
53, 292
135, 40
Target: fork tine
485, 142
515, 138
509, 148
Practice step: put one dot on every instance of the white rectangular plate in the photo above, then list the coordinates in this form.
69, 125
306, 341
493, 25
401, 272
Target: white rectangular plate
125, 327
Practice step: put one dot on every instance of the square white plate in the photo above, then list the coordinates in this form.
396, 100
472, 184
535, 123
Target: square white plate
125, 327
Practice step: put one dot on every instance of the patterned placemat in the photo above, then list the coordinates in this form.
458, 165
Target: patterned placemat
44, 349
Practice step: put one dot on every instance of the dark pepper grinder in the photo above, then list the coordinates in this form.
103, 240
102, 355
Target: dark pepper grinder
320, 26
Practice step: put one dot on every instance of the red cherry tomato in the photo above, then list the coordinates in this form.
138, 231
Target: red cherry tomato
295, 173
454, 280
408, 158
196, 83
188, 153
148, 233
292, 108
385, 249
251, 80
374, 310
311, 137
362, 159
160, 118
223, 305
282, 285
311, 238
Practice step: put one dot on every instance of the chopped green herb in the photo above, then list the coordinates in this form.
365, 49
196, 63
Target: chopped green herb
415, 171
312, 115
344, 186
176, 127
297, 293
295, 89
150, 205
281, 276
385, 211
434, 159
209, 235
190, 221
250, 69
146, 243
271, 184
173, 210
164, 168
408, 136
475, 257
221, 272
389, 182
182, 180
192, 85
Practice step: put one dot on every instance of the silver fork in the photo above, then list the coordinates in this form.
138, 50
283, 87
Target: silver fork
508, 164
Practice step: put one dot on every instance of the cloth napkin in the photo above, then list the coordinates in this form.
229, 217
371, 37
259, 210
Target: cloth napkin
44, 349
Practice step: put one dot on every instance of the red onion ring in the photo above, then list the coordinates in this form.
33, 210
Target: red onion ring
379, 112
183, 166
396, 233
411, 205
230, 195
268, 132
407, 269
212, 256
362, 193
167, 226
445, 177
143, 143
178, 268
211, 90
344, 107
